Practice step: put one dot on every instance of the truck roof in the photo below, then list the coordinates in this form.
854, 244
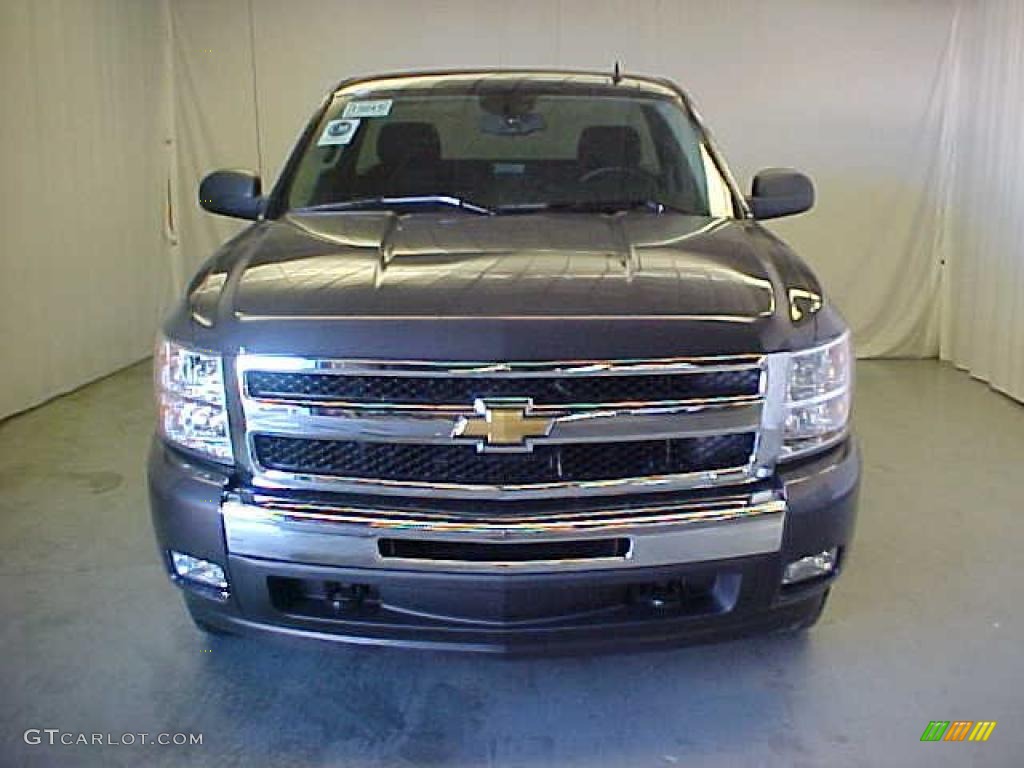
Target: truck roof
584, 82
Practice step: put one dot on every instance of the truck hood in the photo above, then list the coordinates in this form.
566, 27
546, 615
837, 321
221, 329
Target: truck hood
470, 275
504, 266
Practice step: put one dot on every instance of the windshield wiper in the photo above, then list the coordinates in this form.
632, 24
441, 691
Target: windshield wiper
370, 203
593, 206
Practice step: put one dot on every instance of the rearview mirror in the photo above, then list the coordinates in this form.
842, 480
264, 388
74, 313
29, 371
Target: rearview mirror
779, 192
232, 193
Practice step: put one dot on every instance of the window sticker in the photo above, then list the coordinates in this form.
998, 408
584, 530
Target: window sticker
370, 108
338, 132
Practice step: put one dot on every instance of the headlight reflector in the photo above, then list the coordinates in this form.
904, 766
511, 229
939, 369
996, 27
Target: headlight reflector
818, 397
190, 398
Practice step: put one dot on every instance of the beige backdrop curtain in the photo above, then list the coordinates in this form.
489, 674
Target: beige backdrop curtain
983, 307
84, 272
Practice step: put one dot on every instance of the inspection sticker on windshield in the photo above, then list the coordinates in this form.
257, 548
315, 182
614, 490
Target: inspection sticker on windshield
370, 108
339, 132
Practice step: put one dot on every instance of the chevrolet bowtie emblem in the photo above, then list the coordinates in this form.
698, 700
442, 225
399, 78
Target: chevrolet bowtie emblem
503, 424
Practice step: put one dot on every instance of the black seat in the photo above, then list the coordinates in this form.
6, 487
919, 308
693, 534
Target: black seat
607, 146
398, 143
409, 161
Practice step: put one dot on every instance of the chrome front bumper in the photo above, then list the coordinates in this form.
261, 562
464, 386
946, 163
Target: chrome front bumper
276, 529
730, 548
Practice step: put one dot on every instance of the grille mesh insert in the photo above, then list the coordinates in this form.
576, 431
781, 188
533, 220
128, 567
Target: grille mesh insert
463, 465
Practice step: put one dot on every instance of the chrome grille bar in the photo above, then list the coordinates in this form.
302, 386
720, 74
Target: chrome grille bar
568, 425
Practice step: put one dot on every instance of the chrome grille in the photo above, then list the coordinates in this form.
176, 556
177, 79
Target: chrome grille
609, 426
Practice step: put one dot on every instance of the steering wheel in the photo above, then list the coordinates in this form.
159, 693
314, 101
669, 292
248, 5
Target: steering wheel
634, 171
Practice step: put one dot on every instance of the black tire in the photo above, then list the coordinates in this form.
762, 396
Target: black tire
812, 618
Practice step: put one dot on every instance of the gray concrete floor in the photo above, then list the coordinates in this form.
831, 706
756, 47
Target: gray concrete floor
926, 624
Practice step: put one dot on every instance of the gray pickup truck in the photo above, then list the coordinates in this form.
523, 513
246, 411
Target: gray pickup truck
505, 363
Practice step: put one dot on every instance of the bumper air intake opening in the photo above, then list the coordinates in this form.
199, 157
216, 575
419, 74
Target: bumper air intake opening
463, 601
484, 552
698, 595
325, 599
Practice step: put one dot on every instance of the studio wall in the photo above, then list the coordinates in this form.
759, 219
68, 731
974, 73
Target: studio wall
84, 270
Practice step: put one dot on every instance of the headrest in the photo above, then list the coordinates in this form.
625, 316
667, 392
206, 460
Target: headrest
399, 142
601, 146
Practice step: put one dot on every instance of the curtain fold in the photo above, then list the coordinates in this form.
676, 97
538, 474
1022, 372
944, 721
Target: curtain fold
983, 301
214, 116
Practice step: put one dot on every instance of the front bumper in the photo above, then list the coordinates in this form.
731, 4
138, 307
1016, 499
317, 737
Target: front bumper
685, 567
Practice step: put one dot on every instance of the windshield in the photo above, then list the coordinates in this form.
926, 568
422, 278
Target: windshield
508, 147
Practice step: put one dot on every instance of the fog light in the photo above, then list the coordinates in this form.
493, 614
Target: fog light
200, 571
810, 567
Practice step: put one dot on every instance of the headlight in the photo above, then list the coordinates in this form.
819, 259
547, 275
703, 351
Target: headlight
818, 397
190, 399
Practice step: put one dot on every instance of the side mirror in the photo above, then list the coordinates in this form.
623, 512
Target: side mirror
780, 192
231, 193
